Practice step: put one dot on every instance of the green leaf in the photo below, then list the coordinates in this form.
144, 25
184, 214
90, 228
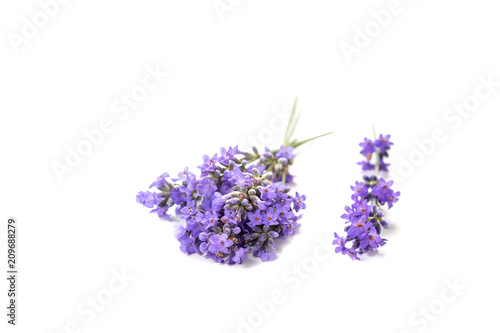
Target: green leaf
297, 144
288, 132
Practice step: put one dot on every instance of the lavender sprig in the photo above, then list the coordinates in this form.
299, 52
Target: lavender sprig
240, 203
365, 217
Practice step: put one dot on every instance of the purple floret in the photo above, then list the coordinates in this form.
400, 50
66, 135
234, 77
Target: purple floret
206, 187
239, 255
220, 243
367, 147
298, 202
383, 143
148, 199
360, 191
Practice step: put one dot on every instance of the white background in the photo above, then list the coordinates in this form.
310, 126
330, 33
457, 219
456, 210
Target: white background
226, 76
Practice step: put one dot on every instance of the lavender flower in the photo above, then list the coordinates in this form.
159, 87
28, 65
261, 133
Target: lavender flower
368, 147
339, 242
383, 143
148, 199
187, 243
234, 208
240, 204
359, 226
360, 191
370, 238
220, 243
239, 255
364, 216
384, 193
298, 202
206, 187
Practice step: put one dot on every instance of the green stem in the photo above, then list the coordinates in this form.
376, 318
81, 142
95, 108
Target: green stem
377, 161
377, 152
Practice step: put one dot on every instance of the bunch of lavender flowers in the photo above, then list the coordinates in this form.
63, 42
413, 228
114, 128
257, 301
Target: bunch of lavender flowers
240, 203
365, 217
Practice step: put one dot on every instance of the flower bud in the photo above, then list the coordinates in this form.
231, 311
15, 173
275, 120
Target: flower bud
267, 175
273, 234
254, 198
252, 236
283, 161
233, 201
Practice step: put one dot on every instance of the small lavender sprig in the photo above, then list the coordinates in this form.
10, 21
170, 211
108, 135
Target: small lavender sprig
240, 203
365, 217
